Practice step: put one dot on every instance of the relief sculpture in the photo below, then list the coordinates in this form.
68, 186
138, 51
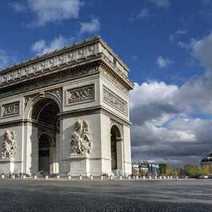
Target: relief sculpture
80, 95
80, 140
8, 145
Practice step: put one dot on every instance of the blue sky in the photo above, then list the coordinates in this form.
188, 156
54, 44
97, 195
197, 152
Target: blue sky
167, 45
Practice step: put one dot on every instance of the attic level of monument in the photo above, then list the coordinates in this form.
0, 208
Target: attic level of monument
88, 51
66, 113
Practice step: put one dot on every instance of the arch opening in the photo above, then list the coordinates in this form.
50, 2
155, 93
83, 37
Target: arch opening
45, 136
115, 148
44, 152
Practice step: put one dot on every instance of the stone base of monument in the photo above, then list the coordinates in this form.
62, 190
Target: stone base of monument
79, 165
9, 166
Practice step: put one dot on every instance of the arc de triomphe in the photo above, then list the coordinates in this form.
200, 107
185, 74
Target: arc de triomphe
66, 112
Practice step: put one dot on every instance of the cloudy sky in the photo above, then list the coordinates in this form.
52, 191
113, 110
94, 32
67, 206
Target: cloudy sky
167, 45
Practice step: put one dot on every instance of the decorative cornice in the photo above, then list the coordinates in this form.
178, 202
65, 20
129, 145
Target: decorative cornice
52, 80
53, 62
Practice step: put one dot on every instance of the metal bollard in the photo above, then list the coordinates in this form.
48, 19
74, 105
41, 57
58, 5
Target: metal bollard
80, 177
46, 177
69, 177
35, 177
91, 177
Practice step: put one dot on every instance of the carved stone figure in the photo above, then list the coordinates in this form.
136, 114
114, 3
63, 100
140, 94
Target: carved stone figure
80, 95
80, 140
8, 145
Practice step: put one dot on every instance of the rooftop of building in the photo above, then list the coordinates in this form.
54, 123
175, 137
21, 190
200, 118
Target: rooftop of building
58, 52
208, 158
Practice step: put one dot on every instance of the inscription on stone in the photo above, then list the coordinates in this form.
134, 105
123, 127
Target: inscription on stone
113, 100
10, 109
80, 95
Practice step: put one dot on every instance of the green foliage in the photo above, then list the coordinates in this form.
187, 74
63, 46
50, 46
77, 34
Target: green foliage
168, 170
196, 171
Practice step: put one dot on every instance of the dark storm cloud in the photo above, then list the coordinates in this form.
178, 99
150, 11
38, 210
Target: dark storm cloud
151, 111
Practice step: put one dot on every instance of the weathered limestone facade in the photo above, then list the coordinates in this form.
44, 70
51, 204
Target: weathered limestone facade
66, 113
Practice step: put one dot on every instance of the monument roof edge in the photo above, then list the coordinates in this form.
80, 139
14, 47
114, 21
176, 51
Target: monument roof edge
58, 52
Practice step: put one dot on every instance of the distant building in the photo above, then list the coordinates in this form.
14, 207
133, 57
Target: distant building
207, 161
135, 169
146, 168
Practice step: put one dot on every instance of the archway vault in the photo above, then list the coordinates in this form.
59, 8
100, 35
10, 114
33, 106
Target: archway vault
32, 100
45, 132
116, 148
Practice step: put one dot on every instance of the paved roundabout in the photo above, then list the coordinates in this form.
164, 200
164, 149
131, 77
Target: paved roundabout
108, 196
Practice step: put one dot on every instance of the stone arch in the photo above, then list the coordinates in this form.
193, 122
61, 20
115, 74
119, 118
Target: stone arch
30, 101
43, 115
116, 148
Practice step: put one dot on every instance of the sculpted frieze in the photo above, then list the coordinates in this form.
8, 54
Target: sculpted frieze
49, 64
51, 80
114, 101
80, 94
10, 109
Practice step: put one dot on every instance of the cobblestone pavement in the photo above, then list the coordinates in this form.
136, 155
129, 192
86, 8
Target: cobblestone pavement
106, 196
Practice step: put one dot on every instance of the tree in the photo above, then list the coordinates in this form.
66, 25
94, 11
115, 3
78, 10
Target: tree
196, 171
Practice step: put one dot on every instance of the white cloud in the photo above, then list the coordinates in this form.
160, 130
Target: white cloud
152, 92
90, 27
183, 45
47, 11
163, 62
163, 127
177, 34
41, 46
151, 101
161, 3
173, 123
202, 50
